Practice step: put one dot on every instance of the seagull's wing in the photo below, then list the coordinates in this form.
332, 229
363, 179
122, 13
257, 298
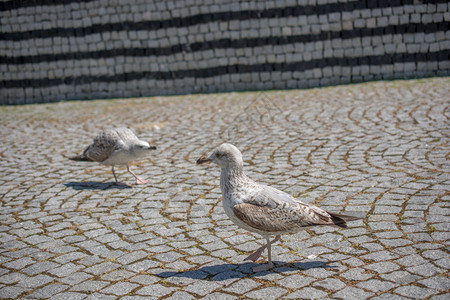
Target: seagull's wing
126, 135
265, 218
271, 197
104, 145
272, 210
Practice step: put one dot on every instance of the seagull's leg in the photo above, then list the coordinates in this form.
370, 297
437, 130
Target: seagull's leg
269, 265
115, 177
269, 257
255, 255
138, 180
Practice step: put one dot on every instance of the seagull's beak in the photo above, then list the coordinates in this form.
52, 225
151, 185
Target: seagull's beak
203, 159
150, 146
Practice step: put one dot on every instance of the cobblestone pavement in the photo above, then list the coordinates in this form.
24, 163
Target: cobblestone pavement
380, 148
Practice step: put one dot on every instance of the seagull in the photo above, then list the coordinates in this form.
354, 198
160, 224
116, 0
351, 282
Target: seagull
262, 209
116, 146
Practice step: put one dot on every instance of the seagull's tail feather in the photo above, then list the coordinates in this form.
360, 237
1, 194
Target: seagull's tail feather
80, 158
341, 220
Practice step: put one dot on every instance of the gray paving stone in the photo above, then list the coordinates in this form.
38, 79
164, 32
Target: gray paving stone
101, 268
354, 262
184, 279
155, 290
400, 277
405, 250
443, 262
19, 263
307, 293
141, 266
139, 298
382, 267
65, 270
35, 281
393, 243
439, 297
223, 253
202, 288
267, 293
352, 293
411, 260
96, 295
75, 278
39, 267
3, 272
427, 246
242, 286
295, 281
357, 274
215, 245
376, 285
217, 295
380, 256
91, 260
331, 284
89, 286
168, 256
48, 291
377, 147
426, 269
144, 279
120, 288
117, 275
415, 292
69, 295
179, 265
321, 272
441, 284
420, 237
11, 292
389, 296
372, 247
183, 295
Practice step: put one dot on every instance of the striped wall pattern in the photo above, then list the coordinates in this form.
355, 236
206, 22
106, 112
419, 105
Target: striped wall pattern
87, 49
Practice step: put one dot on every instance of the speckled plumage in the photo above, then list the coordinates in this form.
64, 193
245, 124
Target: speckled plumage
263, 209
266, 210
114, 147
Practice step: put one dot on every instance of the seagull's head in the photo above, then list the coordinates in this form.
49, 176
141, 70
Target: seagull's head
225, 156
142, 148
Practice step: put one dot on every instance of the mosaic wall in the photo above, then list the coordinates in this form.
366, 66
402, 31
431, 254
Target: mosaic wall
81, 49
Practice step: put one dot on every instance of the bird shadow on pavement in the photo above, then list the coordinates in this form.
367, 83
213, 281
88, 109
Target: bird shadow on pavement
244, 270
94, 185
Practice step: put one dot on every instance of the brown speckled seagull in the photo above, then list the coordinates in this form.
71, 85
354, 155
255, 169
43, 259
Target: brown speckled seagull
262, 209
114, 147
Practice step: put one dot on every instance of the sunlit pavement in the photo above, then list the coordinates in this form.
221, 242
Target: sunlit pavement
380, 150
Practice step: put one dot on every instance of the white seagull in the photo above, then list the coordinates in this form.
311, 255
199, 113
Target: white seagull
262, 209
114, 147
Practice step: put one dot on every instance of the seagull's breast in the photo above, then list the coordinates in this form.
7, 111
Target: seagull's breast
119, 157
229, 202
236, 191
